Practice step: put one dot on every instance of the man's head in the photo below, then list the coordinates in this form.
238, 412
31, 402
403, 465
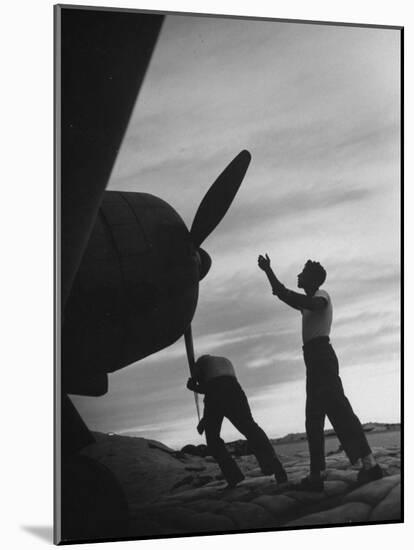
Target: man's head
312, 276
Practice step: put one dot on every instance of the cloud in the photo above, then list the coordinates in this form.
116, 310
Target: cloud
265, 361
318, 107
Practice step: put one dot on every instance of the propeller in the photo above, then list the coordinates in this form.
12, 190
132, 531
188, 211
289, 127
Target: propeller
209, 214
205, 263
215, 204
218, 198
188, 338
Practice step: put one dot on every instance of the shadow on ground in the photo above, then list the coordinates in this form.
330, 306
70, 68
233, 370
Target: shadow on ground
43, 532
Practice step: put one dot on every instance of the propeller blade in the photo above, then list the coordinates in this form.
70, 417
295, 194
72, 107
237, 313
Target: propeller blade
218, 198
188, 338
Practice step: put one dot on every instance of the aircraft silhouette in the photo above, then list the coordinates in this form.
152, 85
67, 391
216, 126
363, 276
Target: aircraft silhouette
137, 286
128, 269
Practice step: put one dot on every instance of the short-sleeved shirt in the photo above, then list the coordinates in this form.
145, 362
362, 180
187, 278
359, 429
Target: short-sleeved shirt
213, 366
316, 323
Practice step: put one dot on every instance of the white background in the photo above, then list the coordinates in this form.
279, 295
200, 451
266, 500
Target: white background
26, 206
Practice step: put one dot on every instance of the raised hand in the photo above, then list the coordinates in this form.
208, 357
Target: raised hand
264, 262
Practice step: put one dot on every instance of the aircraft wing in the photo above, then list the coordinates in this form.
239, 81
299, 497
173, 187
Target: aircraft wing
101, 60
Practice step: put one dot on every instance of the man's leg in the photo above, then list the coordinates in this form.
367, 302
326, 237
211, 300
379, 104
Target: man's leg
213, 418
322, 365
350, 433
238, 411
315, 422
346, 424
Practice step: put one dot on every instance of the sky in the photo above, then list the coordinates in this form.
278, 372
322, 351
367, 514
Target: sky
318, 107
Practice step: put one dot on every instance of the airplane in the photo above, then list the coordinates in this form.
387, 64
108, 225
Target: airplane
127, 268
136, 289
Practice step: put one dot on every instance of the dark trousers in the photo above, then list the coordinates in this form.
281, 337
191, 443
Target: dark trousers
325, 397
225, 398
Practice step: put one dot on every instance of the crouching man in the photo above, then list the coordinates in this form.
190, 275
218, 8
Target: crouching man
215, 377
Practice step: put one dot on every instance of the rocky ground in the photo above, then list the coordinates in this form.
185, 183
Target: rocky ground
172, 492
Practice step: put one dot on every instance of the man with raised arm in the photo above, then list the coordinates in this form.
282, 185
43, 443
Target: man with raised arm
224, 397
324, 392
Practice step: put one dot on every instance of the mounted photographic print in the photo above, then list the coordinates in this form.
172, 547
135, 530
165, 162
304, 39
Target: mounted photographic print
228, 274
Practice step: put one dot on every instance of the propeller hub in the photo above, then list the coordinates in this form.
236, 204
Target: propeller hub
204, 262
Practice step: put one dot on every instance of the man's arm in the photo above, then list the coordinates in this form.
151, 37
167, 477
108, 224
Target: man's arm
193, 385
289, 297
301, 301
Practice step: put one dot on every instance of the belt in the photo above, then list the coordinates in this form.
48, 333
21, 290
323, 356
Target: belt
220, 379
316, 342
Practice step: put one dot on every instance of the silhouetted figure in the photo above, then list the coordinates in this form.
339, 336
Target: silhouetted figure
324, 392
215, 377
